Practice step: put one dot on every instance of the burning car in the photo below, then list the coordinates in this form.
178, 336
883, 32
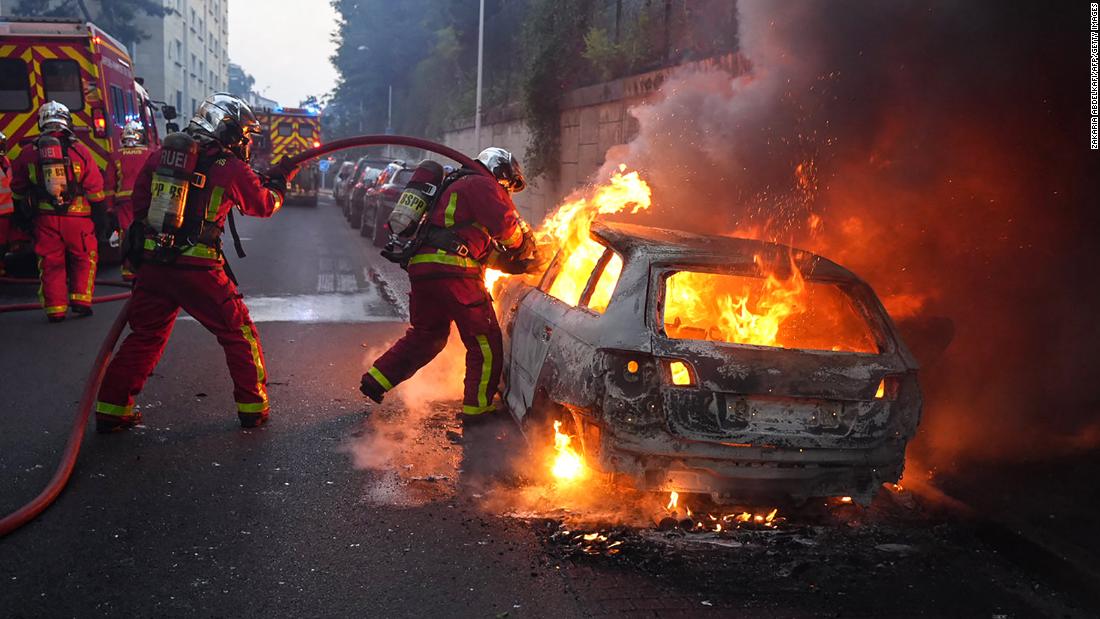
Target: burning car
731, 367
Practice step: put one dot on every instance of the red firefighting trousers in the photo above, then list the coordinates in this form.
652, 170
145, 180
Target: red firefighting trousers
433, 305
210, 298
66, 248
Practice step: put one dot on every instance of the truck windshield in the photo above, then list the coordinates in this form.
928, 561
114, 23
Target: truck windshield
15, 86
769, 310
61, 80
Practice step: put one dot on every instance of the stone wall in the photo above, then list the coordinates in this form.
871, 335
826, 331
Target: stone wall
593, 119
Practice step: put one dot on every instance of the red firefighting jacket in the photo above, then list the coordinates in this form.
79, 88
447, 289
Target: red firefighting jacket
479, 211
229, 183
25, 171
7, 205
121, 177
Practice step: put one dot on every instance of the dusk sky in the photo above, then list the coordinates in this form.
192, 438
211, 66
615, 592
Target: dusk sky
285, 45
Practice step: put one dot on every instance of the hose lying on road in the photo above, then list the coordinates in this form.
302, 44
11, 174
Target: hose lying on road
24, 307
28, 512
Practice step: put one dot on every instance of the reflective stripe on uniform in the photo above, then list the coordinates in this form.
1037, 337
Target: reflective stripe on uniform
56, 309
96, 196
83, 298
215, 203
381, 378
477, 410
93, 258
113, 409
442, 257
449, 214
251, 407
486, 370
513, 239
257, 360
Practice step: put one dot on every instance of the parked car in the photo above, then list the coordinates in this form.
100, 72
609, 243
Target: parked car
351, 179
338, 185
663, 398
367, 179
379, 204
361, 195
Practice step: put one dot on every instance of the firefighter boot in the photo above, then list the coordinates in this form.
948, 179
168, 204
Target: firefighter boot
369, 387
252, 420
105, 424
81, 311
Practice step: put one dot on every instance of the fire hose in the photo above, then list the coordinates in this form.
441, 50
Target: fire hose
23, 307
64, 470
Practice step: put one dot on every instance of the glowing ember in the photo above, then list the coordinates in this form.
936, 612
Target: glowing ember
845, 499
568, 464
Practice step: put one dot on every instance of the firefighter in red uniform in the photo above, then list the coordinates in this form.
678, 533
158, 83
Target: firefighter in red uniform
7, 205
472, 217
182, 199
58, 182
121, 177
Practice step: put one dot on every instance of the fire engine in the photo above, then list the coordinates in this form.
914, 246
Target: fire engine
81, 66
287, 132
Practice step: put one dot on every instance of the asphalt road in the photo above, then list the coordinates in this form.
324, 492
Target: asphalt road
342, 508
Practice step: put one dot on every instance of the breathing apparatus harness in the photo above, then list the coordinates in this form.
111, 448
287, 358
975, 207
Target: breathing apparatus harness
57, 184
409, 226
176, 222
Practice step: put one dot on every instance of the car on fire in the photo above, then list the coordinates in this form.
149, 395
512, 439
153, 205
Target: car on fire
655, 362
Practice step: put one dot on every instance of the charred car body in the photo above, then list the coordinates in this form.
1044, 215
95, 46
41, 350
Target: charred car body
654, 394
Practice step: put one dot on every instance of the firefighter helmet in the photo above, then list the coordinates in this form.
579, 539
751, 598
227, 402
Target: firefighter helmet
54, 116
229, 120
505, 167
133, 134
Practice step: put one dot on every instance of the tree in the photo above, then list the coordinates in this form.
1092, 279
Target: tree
116, 17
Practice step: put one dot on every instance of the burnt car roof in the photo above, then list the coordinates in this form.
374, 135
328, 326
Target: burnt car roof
676, 245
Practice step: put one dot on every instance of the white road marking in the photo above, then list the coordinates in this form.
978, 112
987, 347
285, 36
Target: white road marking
361, 307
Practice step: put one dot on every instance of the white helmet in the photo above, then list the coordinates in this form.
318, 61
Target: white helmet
504, 167
54, 116
133, 134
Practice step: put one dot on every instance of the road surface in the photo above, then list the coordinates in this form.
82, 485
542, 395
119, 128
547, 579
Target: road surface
342, 508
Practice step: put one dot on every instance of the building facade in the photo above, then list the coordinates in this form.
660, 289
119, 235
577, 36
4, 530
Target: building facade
186, 56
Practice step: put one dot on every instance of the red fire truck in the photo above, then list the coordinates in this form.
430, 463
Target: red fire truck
81, 66
287, 132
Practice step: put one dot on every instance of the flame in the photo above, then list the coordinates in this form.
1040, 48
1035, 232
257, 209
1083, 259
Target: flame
673, 500
680, 374
711, 304
568, 228
568, 464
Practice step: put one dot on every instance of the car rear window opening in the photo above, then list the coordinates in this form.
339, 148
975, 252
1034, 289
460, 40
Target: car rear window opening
768, 310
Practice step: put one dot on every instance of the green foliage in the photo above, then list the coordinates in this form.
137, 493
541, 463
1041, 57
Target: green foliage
116, 17
555, 58
610, 59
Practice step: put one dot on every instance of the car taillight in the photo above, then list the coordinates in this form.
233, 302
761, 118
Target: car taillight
888, 387
680, 372
99, 123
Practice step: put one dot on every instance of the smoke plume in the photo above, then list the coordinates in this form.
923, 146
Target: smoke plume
939, 150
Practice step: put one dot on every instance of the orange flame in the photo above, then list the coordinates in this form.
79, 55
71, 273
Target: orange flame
568, 464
